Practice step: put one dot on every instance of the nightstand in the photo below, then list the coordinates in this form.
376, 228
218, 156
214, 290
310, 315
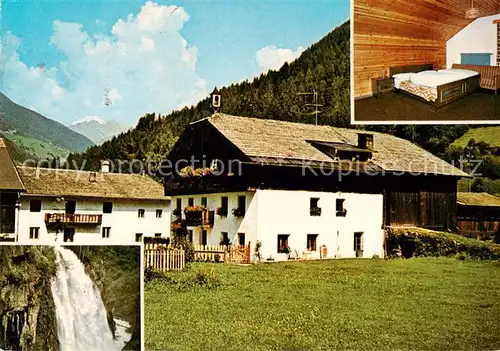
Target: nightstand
382, 85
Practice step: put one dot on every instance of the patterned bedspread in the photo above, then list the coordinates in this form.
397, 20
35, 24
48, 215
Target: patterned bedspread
427, 93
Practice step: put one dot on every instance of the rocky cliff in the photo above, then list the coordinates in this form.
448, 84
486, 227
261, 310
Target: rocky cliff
27, 311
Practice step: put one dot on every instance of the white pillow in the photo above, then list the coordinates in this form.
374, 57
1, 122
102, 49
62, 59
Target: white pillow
402, 76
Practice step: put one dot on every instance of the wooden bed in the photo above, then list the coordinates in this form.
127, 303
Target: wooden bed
446, 93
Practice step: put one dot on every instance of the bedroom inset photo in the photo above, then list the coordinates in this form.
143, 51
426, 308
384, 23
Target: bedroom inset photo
426, 61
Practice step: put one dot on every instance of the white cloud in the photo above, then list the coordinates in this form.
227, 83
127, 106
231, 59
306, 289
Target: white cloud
143, 65
272, 57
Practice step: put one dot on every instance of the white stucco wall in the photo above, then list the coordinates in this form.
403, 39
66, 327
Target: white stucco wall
287, 212
480, 36
123, 221
230, 224
273, 212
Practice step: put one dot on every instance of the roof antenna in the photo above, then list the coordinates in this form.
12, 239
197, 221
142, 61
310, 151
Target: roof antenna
315, 105
215, 100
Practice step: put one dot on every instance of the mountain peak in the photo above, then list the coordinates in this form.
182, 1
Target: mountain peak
89, 119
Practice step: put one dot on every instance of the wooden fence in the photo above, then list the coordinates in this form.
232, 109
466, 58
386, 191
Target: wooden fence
160, 257
223, 253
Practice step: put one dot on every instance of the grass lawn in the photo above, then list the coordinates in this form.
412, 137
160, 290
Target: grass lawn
420, 303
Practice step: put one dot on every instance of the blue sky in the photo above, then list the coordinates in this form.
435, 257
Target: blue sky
118, 60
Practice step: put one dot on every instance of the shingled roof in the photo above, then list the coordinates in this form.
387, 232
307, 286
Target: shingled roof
478, 199
9, 178
286, 140
70, 183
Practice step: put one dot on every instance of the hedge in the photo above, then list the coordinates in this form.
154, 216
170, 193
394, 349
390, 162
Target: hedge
415, 242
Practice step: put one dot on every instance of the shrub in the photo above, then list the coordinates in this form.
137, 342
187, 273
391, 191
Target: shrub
190, 279
421, 242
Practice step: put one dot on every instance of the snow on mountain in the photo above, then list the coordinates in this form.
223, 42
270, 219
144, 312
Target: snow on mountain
97, 129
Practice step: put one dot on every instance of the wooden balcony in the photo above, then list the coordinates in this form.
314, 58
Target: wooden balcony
55, 218
208, 218
200, 218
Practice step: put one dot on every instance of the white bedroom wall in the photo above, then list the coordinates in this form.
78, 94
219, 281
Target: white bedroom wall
480, 36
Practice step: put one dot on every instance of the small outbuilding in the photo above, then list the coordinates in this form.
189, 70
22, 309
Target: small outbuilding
478, 214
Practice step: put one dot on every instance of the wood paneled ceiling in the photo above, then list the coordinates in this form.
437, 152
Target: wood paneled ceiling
435, 19
404, 32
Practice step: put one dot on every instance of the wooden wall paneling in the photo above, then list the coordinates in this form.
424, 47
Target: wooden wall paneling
399, 32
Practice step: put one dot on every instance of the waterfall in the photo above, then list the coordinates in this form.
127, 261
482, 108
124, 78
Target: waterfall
81, 316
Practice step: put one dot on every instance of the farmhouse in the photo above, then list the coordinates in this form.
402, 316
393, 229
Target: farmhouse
478, 214
10, 188
90, 207
431, 53
310, 190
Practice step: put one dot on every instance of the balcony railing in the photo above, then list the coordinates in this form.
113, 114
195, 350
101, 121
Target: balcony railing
200, 218
54, 218
208, 218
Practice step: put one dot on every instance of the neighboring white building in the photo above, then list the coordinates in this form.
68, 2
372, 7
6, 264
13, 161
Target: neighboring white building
90, 207
304, 190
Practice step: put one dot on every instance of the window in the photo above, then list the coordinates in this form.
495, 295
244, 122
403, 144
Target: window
314, 209
105, 232
204, 202
141, 213
190, 235
157, 235
241, 238
107, 207
283, 243
358, 241
34, 232
159, 213
138, 237
178, 208
70, 207
203, 237
191, 201
341, 211
35, 205
242, 204
224, 239
223, 205
312, 242
69, 234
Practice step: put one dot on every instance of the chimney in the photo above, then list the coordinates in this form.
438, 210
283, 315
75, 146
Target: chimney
105, 165
365, 141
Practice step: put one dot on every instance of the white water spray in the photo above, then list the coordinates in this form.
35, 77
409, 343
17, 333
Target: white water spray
81, 315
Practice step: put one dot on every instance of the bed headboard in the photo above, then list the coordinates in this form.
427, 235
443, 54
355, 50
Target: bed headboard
410, 69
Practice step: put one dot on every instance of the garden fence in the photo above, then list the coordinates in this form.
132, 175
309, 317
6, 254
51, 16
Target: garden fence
160, 257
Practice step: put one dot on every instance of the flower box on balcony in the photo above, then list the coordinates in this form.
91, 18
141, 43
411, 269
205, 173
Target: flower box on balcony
315, 211
238, 212
342, 213
220, 211
193, 215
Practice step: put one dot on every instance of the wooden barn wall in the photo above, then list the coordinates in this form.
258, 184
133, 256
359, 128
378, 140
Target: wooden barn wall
402, 32
432, 210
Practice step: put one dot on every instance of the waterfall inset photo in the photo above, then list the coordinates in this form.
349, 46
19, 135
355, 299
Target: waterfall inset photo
70, 298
